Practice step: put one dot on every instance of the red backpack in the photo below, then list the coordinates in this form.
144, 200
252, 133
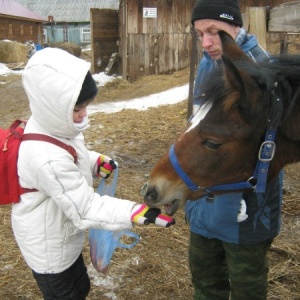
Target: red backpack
10, 140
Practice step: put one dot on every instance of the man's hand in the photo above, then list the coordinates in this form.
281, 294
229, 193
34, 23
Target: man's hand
105, 166
143, 215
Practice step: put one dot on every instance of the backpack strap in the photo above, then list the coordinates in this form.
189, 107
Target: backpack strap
49, 139
13, 128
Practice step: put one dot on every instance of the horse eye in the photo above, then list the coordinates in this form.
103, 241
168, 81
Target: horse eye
212, 145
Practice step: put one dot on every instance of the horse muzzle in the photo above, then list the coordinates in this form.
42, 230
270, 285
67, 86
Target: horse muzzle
152, 199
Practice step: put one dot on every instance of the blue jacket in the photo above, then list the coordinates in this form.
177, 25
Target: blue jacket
217, 218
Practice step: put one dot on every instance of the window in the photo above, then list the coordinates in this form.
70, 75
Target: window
85, 34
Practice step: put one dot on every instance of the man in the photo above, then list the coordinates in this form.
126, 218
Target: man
228, 249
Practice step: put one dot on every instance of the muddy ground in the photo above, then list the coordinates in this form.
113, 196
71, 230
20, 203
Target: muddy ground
157, 267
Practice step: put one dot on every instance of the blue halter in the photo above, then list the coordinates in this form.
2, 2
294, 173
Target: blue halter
265, 156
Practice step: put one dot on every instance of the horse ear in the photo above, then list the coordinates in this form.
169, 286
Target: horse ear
234, 79
237, 81
231, 52
230, 48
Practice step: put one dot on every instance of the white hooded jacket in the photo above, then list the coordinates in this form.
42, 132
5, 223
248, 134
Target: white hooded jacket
49, 224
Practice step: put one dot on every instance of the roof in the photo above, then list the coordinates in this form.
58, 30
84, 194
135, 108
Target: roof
68, 10
15, 9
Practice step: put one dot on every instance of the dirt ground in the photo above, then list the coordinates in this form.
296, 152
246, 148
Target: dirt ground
157, 267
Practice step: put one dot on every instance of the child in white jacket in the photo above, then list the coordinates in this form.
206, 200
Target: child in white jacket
49, 223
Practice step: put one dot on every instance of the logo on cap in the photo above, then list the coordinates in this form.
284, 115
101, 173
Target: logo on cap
226, 16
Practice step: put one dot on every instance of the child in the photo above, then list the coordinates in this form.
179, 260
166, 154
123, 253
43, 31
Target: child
49, 224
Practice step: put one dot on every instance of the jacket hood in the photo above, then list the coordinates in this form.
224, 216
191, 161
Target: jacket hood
244, 40
52, 80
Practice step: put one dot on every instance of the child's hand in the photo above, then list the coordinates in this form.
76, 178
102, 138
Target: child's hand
105, 166
143, 215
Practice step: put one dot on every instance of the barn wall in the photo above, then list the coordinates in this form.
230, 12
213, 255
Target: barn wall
257, 3
284, 40
105, 37
159, 45
21, 30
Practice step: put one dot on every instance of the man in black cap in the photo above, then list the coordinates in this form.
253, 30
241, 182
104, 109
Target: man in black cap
231, 234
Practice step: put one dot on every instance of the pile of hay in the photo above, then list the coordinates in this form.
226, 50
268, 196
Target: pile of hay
12, 52
69, 47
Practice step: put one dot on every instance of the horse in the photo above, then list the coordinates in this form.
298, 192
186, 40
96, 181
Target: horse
244, 133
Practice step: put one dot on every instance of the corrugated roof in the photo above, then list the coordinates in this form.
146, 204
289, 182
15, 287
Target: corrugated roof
15, 9
68, 10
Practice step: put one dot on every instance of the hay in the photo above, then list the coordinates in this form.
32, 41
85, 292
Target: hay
69, 47
12, 52
157, 267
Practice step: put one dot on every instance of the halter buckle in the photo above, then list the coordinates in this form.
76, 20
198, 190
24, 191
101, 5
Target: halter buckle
269, 153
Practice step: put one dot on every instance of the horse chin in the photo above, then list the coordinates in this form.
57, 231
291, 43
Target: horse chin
172, 207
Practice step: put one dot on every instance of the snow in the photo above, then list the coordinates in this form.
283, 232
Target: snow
171, 96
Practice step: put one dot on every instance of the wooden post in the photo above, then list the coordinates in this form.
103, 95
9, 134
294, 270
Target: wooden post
258, 24
193, 61
284, 44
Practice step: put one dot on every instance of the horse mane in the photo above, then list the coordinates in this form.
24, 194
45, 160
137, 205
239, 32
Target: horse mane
277, 82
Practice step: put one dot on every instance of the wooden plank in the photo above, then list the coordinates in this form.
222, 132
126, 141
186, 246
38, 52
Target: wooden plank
160, 16
176, 51
165, 18
155, 54
182, 51
152, 22
258, 26
285, 18
123, 39
136, 57
141, 52
139, 16
132, 16
169, 17
194, 60
170, 53
131, 58
161, 53
147, 54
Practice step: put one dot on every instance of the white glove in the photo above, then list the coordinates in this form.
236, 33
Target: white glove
242, 216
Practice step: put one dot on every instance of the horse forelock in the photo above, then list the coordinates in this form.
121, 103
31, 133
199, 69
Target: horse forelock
199, 115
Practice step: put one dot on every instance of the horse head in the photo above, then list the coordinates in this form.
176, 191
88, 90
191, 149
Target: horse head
221, 142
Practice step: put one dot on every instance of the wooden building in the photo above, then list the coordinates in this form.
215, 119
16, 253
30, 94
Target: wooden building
152, 37
155, 36
17, 23
68, 20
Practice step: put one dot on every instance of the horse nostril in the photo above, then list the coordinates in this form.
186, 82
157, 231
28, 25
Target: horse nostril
151, 195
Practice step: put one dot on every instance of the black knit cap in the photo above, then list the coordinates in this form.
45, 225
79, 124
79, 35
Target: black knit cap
223, 10
89, 89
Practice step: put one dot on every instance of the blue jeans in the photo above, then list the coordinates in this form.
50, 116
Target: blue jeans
221, 269
71, 284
